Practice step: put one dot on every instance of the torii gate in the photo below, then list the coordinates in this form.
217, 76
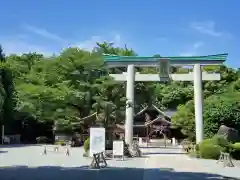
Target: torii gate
164, 63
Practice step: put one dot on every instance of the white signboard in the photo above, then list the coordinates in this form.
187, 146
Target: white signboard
97, 140
118, 148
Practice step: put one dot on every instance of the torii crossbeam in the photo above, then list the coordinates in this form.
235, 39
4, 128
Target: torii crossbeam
164, 63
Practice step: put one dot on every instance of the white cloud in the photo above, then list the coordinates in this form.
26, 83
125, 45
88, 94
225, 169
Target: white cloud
87, 44
18, 44
193, 49
43, 33
19, 47
117, 40
90, 43
197, 45
209, 28
22, 43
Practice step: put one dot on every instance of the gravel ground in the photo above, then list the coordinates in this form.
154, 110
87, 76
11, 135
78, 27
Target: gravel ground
28, 162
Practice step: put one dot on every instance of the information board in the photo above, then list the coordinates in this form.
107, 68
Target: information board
118, 148
97, 140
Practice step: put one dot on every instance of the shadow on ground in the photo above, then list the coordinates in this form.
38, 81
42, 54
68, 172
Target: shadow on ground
3, 151
159, 153
19, 145
83, 173
158, 147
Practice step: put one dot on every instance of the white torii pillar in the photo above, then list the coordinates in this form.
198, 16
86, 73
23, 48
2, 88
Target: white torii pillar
129, 104
197, 77
198, 102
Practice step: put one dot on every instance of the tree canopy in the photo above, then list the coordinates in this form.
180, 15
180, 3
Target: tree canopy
74, 84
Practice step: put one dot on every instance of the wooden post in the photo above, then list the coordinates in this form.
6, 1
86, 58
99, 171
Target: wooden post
67, 152
45, 151
98, 158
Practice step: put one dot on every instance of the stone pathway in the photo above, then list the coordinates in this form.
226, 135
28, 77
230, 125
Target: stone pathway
177, 160
158, 163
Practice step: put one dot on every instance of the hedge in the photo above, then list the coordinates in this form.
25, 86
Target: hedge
209, 149
235, 151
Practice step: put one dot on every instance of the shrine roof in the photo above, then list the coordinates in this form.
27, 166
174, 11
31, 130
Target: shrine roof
158, 119
168, 113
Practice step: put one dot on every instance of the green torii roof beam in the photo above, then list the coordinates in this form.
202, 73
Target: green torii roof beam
121, 61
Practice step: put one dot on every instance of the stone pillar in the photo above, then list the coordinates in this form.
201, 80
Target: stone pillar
198, 101
129, 104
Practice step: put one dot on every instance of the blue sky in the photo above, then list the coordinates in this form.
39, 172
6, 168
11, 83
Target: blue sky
170, 27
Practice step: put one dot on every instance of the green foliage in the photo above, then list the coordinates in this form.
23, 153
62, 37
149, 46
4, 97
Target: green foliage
221, 109
221, 141
236, 146
67, 87
235, 150
208, 149
211, 148
86, 145
206, 141
185, 119
218, 109
6, 92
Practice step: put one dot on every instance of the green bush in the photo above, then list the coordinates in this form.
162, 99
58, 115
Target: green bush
87, 144
235, 151
205, 141
209, 149
221, 141
236, 146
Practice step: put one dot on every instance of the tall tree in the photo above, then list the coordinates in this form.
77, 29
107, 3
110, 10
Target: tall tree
7, 85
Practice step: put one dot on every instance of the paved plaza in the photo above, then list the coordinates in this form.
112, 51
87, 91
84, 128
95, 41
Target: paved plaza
28, 162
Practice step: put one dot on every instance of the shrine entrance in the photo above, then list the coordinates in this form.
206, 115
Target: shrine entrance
164, 64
